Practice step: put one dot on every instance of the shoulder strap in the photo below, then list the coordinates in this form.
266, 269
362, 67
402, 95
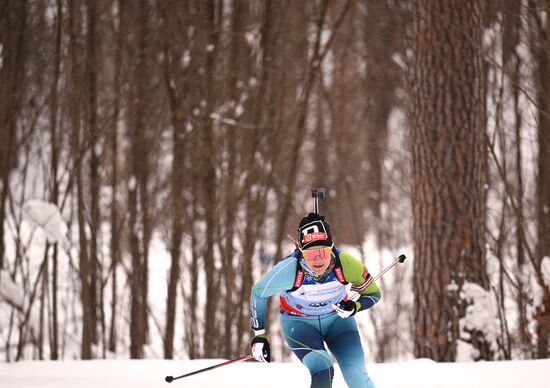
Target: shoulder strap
338, 270
300, 274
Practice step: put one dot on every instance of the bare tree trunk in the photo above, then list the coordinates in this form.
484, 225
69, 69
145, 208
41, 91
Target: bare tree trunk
144, 173
138, 192
209, 178
145, 239
137, 328
115, 218
192, 334
176, 239
542, 54
43, 297
177, 216
54, 196
13, 27
448, 163
78, 155
92, 129
84, 263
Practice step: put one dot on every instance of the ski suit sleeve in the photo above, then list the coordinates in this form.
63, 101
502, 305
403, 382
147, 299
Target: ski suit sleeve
280, 278
358, 275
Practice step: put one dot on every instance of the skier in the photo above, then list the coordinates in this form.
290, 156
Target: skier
313, 283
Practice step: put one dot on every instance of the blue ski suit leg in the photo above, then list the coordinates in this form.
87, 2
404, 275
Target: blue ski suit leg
306, 336
343, 340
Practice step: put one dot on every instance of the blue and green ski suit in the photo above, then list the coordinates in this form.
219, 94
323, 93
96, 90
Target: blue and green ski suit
308, 320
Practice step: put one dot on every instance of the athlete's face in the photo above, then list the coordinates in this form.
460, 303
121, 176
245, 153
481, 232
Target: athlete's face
317, 259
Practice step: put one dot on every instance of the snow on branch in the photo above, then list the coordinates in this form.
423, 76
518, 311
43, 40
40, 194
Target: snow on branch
11, 292
47, 216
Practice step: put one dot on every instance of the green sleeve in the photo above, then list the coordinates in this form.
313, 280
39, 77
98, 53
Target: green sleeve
358, 275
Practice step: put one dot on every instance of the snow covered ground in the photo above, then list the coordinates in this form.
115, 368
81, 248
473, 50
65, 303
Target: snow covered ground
420, 373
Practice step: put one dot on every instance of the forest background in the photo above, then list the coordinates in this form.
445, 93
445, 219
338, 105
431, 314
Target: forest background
179, 140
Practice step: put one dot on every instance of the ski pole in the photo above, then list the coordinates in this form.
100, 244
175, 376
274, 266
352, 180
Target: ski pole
169, 379
400, 259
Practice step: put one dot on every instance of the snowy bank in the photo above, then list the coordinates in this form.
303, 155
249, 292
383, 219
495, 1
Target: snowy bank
151, 373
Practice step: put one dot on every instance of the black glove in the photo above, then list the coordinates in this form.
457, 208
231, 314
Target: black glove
345, 308
260, 348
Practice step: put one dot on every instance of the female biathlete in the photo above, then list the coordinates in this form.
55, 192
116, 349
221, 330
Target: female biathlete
313, 283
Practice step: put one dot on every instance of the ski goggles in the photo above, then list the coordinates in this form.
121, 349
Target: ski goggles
312, 253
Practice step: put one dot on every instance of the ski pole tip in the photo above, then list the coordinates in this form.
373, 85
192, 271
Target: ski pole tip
402, 258
169, 379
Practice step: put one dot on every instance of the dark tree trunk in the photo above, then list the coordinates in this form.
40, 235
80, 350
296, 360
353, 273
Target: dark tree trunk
93, 131
177, 218
448, 171
209, 179
115, 216
138, 193
542, 314
78, 154
56, 146
13, 28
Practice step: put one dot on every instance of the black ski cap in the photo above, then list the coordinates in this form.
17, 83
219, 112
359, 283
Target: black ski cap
314, 231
